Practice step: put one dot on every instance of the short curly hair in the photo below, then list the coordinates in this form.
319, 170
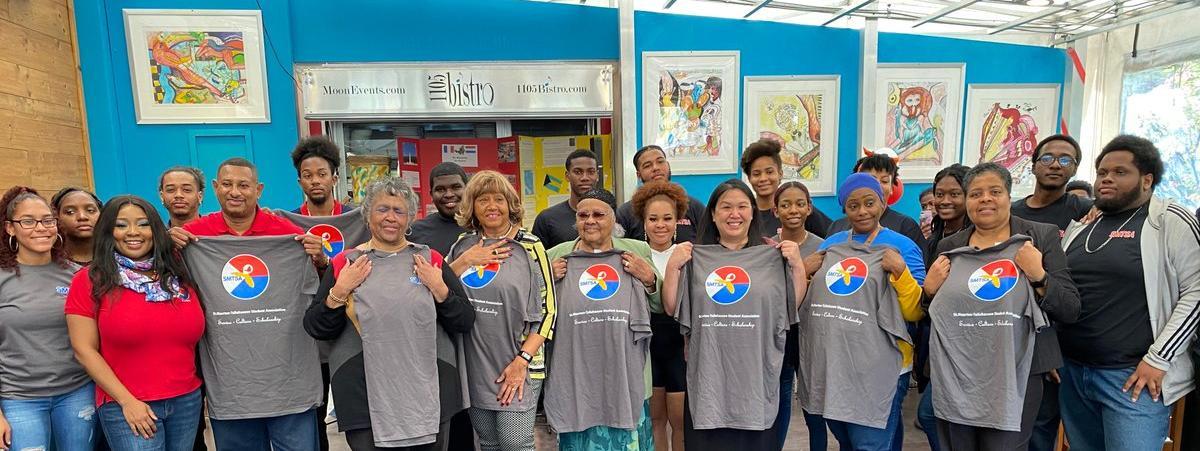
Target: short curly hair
761, 148
488, 182
653, 190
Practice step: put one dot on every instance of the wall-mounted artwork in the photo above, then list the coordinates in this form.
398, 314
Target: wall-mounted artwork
917, 111
197, 66
1004, 125
801, 113
690, 108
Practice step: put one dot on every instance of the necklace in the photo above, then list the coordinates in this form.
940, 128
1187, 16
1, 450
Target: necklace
500, 237
1087, 242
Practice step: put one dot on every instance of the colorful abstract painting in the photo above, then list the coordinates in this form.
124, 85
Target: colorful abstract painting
800, 113
1004, 125
691, 109
918, 110
197, 67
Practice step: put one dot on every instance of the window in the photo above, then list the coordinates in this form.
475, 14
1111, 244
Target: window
1162, 104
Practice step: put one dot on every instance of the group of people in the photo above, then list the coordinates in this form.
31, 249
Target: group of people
664, 322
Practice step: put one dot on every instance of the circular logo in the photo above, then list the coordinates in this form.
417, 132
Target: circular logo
245, 277
599, 282
727, 284
477, 277
332, 242
994, 280
844, 278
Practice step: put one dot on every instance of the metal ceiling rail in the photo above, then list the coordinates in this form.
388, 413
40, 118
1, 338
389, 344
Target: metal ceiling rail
757, 7
944, 12
1128, 21
849, 9
1032, 17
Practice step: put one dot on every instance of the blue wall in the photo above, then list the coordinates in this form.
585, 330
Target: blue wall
127, 157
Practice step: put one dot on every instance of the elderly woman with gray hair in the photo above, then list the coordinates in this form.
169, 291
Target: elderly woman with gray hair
394, 314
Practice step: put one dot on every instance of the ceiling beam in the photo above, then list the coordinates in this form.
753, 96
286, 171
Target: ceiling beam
855, 5
1127, 22
755, 9
944, 12
669, 3
1033, 17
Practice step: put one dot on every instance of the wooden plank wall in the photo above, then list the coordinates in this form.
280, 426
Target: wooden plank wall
42, 130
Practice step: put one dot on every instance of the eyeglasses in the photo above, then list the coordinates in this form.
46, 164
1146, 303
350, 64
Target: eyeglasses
584, 216
29, 223
386, 210
1063, 161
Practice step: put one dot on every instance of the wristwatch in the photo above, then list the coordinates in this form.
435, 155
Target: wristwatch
525, 356
1039, 283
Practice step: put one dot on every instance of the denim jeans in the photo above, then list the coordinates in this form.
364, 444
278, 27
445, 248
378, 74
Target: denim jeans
927, 419
178, 420
856, 437
1098, 416
818, 435
787, 382
295, 432
67, 421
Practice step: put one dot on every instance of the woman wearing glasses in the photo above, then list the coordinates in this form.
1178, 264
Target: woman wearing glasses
507, 276
45, 395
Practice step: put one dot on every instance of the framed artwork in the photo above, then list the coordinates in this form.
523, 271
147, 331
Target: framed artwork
1005, 123
690, 109
197, 66
918, 109
801, 113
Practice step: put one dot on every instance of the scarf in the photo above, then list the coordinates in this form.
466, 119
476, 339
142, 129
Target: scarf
141, 283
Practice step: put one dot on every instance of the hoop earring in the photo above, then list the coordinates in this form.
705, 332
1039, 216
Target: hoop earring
408, 232
12, 243
59, 241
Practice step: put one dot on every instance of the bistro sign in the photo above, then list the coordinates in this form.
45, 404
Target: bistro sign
347, 91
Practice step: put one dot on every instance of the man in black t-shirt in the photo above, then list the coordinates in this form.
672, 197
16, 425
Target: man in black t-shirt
652, 165
1055, 161
1137, 267
556, 224
439, 230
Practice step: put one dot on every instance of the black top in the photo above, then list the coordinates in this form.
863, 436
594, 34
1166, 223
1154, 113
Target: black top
1114, 323
1059, 213
891, 219
349, 381
685, 230
436, 231
556, 225
1061, 302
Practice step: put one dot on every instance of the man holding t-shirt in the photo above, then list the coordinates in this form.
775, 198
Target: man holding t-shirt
237, 190
556, 224
1137, 268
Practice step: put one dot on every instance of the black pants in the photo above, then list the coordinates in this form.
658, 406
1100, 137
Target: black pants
725, 439
959, 437
364, 440
462, 434
319, 412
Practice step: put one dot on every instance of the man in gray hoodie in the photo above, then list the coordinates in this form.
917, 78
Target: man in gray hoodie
1137, 268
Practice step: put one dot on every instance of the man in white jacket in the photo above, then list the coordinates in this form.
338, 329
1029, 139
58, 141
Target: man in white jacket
1137, 268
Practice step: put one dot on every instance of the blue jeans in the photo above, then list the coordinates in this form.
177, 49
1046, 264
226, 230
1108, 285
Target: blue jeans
178, 420
927, 419
295, 432
787, 382
1098, 416
818, 437
66, 421
856, 437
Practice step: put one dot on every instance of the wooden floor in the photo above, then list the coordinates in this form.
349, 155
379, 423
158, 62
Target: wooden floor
797, 440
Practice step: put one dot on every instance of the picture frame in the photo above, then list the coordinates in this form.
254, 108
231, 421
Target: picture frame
1004, 123
918, 114
690, 106
197, 66
801, 113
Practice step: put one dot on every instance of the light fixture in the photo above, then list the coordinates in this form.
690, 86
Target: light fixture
1037, 2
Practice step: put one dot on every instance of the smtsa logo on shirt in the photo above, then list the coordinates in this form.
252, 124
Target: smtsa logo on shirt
844, 278
476, 277
332, 242
599, 282
245, 277
727, 285
994, 280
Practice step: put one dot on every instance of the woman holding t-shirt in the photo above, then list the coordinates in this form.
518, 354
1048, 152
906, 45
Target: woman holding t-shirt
735, 299
138, 299
45, 395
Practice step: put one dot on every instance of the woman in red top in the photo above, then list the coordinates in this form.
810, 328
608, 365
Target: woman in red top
138, 300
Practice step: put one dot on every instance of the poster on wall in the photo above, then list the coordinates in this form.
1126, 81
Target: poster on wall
543, 176
690, 108
918, 108
197, 66
1004, 125
801, 114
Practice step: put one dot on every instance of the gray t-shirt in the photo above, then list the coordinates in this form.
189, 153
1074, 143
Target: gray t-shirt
256, 358
596, 364
398, 320
508, 305
984, 319
36, 360
810, 246
735, 307
339, 232
849, 324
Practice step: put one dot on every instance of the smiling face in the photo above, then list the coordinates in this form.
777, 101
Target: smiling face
660, 221
594, 220
1054, 176
949, 200
39, 239
132, 236
316, 179
77, 215
491, 211
863, 209
764, 177
180, 194
988, 201
732, 215
793, 209
652, 166
237, 191
447, 192
389, 218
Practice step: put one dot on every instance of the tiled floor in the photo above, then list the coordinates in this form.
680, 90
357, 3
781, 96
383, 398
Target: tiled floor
914, 439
